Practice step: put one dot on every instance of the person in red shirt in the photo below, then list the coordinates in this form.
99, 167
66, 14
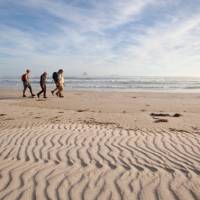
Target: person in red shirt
26, 83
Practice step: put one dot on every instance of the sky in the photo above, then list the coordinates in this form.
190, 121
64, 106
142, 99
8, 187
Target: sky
101, 37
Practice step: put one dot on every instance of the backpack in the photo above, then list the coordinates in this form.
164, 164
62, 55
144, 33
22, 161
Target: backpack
55, 76
23, 78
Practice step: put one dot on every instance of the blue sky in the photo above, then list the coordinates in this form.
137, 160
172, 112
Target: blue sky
107, 37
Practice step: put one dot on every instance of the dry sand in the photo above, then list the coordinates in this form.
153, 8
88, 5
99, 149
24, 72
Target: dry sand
100, 145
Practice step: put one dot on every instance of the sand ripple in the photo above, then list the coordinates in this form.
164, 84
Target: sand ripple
84, 161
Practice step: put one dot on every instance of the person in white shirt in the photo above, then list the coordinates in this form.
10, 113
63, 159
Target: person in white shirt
61, 82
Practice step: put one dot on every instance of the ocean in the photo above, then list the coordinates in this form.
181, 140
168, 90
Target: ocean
116, 83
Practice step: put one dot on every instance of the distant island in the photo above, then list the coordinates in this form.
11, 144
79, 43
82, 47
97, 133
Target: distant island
85, 74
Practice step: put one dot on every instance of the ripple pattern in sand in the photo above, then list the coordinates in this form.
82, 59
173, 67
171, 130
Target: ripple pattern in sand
84, 161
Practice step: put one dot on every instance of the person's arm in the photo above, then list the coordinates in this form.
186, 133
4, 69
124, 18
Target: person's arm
62, 77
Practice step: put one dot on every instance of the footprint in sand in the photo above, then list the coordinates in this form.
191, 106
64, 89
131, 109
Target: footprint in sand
84, 110
37, 117
177, 115
160, 120
9, 119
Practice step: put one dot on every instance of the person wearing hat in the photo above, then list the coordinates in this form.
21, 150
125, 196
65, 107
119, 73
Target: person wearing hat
43, 79
26, 83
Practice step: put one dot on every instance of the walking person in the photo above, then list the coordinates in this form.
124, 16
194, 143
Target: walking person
55, 79
26, 83
60, 83
43, 86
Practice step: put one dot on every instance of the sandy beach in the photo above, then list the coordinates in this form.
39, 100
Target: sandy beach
100, 145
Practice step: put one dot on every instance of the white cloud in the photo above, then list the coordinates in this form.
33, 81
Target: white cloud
98, 16
168, 48
83, 41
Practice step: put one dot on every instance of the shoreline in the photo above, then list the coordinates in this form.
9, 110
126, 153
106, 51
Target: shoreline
173, 91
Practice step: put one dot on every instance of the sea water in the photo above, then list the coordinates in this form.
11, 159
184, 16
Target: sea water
119, 83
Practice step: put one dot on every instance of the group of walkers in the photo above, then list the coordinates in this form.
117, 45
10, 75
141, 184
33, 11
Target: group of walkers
58, 78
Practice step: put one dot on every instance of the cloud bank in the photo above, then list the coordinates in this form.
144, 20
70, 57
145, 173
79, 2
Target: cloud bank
123, 37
